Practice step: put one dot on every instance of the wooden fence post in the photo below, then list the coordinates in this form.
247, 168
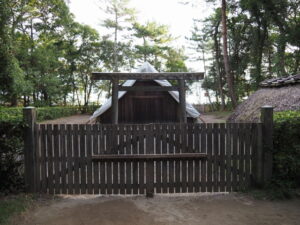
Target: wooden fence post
29, 117
267, 141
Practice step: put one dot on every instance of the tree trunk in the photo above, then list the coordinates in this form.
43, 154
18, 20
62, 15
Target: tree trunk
218, 69
281, 52
229, 76
115, 44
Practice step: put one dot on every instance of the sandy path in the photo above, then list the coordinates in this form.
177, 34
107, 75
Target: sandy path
76, 119
233, 209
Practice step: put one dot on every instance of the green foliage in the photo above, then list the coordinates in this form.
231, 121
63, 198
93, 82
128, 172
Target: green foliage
286, 164
15, 114
11, 142
11, 155
10, 206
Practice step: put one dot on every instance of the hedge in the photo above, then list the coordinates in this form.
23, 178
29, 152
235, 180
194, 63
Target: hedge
286, 154
11, 143
43, 113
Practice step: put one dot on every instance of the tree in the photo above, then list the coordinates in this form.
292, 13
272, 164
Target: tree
120, 19
229, 77
155, 39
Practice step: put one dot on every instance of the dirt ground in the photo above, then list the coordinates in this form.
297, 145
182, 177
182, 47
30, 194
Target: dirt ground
216, 209
76, 119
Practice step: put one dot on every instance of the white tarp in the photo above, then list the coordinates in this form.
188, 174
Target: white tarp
146, 68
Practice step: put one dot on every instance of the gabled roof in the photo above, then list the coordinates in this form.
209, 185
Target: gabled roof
281, 81
146, 68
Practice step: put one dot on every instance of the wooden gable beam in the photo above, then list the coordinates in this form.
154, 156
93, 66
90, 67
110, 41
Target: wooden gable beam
148, 76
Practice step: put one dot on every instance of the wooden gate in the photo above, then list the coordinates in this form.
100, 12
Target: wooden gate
139, 159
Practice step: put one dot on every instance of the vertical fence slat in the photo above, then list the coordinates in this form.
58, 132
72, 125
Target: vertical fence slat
209, 157
190, 163
128, 163
203, 162
171, 162
164, 163
158, 150
43, 159
50, 159
109, 164
177, 161
184, 162
216, 157
114, 141
228, 157
222, 156
69, 159
63, 161
197, 161
135, 175
95, 151
150, 163
122, 164
37, 136
234, 156
141, 163
89, 158
102, 163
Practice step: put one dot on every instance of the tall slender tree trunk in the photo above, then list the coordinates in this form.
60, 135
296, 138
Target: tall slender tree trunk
218, 68
281, 52
229, 76
115, 44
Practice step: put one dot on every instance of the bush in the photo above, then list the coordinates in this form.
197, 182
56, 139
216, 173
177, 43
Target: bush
11, 143
286, 154
11, 156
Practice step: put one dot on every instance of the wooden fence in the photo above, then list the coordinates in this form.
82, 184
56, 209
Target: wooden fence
140, 159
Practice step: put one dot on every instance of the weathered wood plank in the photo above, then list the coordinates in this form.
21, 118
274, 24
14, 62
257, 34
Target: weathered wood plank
209, 158
222, 157
102, 150
197, 132
148, 76
190, 163
158, 150
148, 88
122, 164
150, 163
216, 153
50, 159
96, 180
70, 160
43, 158
63, 158
142, 183
234, 156
128, 163
184, 161
228, 155
135, 175
203, 163
82, 158
88, 161
76, 159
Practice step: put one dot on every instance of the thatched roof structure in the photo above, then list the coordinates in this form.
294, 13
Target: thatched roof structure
281, 93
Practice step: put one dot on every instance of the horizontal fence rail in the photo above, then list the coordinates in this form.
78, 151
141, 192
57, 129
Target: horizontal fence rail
137, 159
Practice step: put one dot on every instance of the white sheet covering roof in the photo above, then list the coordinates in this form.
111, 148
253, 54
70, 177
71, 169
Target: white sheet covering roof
146, 68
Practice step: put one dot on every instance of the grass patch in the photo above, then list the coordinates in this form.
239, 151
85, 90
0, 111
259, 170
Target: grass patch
13, 205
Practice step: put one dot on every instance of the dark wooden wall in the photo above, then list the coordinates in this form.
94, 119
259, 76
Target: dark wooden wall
145, 107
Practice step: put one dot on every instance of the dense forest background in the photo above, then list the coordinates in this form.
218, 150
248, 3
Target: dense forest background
46, 57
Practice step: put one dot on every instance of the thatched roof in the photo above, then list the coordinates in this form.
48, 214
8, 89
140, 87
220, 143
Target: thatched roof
281, 93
